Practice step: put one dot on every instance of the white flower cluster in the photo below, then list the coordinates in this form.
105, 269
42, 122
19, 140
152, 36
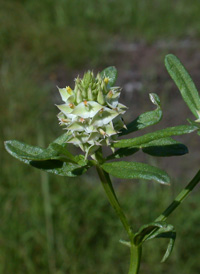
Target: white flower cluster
91, 112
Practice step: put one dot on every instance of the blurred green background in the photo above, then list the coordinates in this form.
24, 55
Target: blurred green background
58, 225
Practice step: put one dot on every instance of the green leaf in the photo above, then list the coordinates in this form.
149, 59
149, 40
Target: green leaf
60, 150
146, 119
81, 161
62, 139
24, 151
122, 152
133, 170
60, 168
18, 149
184, 83
111, 74
159, 134
172, 237
164, 147
157, 230
45, 159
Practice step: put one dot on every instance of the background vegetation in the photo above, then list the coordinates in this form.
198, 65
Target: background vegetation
60, 225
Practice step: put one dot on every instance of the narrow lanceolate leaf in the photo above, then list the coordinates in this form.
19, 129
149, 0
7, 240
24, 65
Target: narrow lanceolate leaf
21, 150
146, 119
111, 74
157, 230
17, 149
164, 147
44, 159
60, 168
159, 134
122, 152
133, 170
184, 83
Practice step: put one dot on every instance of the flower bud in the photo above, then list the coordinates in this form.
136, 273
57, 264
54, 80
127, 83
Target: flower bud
100, 98
90, 95
79, 96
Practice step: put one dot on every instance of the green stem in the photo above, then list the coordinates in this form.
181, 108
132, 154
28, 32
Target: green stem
136, 252
179, 199
107, 185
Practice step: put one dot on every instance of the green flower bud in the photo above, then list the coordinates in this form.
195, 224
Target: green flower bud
90, 94
83, 92
100, 98
104, 87
79, 98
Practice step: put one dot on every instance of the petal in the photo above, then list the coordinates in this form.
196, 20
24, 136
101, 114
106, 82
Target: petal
76, 126
90, 150
65, 94
78, 139
119, 123
104, 117
112, 101
87, 109
94, 137
65, 108
110, 130
121, 108
62, 118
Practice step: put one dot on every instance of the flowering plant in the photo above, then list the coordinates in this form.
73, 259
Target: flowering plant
92, 113
92, 118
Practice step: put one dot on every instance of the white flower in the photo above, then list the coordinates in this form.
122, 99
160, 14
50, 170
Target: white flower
91, 112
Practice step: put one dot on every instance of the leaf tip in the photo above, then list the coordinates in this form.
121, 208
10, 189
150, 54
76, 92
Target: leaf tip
169, 56
6, 143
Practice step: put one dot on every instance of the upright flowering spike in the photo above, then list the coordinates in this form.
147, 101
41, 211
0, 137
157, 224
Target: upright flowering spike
91, 112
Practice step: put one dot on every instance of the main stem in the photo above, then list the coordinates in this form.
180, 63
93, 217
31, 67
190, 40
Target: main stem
136, 251
180, 198
107, 185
